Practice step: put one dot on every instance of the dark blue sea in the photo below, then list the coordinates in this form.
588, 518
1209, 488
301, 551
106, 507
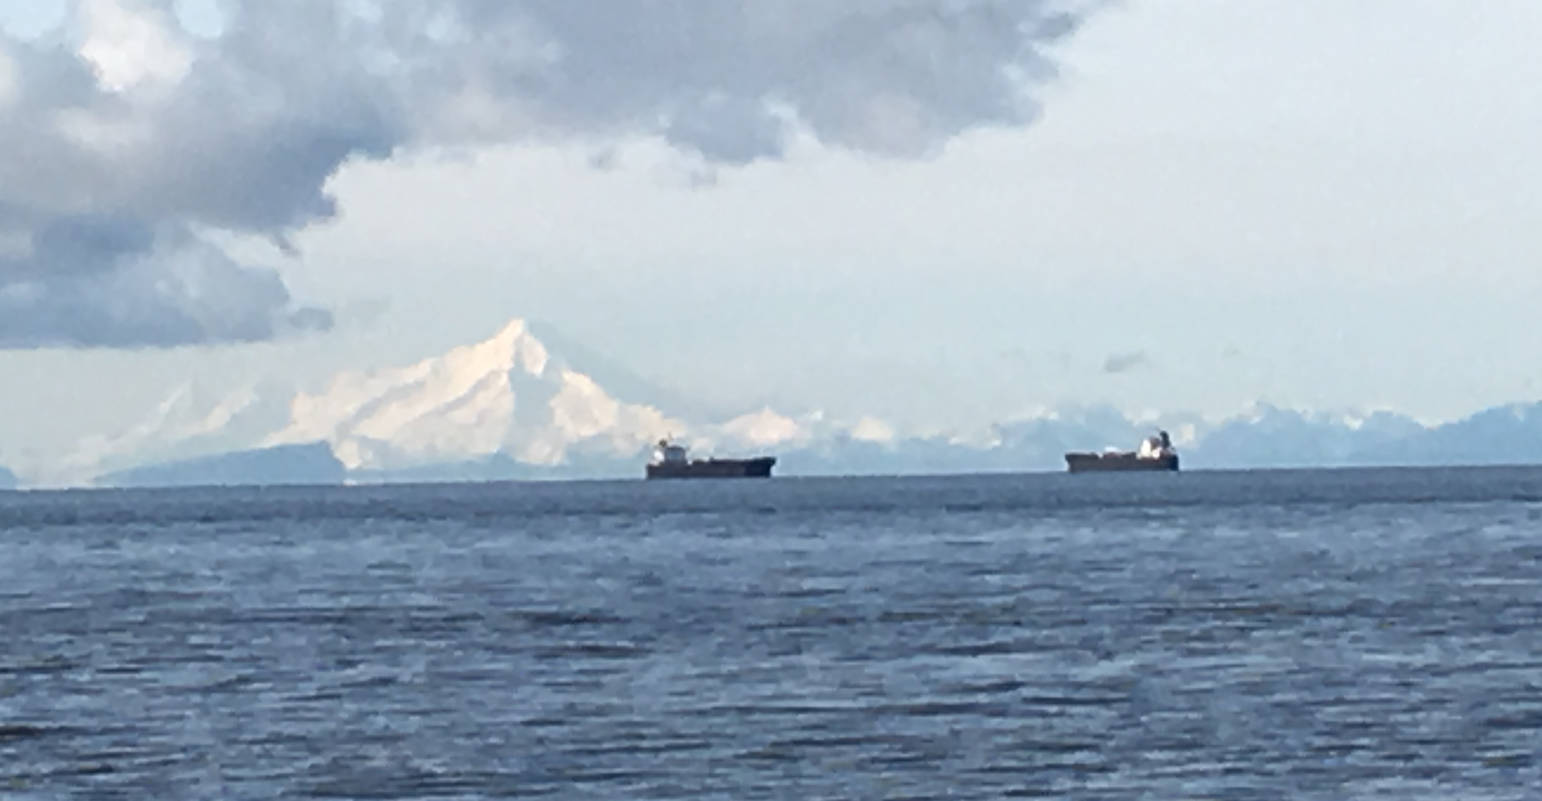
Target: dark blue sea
1247, 635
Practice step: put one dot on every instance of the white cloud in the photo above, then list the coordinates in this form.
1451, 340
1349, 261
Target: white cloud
129, 45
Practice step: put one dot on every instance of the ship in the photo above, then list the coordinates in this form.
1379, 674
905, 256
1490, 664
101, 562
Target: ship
669, 461
1155, 453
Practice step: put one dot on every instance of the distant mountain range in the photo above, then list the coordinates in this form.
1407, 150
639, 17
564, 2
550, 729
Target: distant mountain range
282, 464
516, 407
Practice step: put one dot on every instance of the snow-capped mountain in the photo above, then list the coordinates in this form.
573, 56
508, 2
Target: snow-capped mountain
506, 405
190, 422
1269, 436
512, 406
507, 395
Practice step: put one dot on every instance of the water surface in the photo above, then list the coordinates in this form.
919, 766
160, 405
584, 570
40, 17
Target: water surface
1303, 634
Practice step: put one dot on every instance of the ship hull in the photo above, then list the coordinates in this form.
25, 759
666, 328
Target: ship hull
715, 468
1119, 463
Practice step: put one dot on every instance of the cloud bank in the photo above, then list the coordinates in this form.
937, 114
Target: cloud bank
129, 140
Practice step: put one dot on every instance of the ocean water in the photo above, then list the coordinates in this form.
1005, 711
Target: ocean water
1301, 634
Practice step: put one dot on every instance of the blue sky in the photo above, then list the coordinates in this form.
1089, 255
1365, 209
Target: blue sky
1315, 203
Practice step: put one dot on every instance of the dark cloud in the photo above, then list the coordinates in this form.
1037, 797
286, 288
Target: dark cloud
115, 163
1125, 362
180, 290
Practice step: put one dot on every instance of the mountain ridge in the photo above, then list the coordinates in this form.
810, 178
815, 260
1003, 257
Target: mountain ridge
511, 406
306, 463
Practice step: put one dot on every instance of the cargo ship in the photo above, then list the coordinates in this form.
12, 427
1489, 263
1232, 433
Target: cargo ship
1155, 453
669, 461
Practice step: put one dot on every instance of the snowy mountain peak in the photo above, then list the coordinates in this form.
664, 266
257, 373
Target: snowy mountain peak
513, 347
763, 428
504, 395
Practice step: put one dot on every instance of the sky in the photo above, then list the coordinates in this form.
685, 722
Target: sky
937, 213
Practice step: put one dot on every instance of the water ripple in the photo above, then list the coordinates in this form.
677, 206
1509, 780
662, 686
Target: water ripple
1313, 635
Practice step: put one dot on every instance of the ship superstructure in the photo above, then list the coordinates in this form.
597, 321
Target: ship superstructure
1155, 453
